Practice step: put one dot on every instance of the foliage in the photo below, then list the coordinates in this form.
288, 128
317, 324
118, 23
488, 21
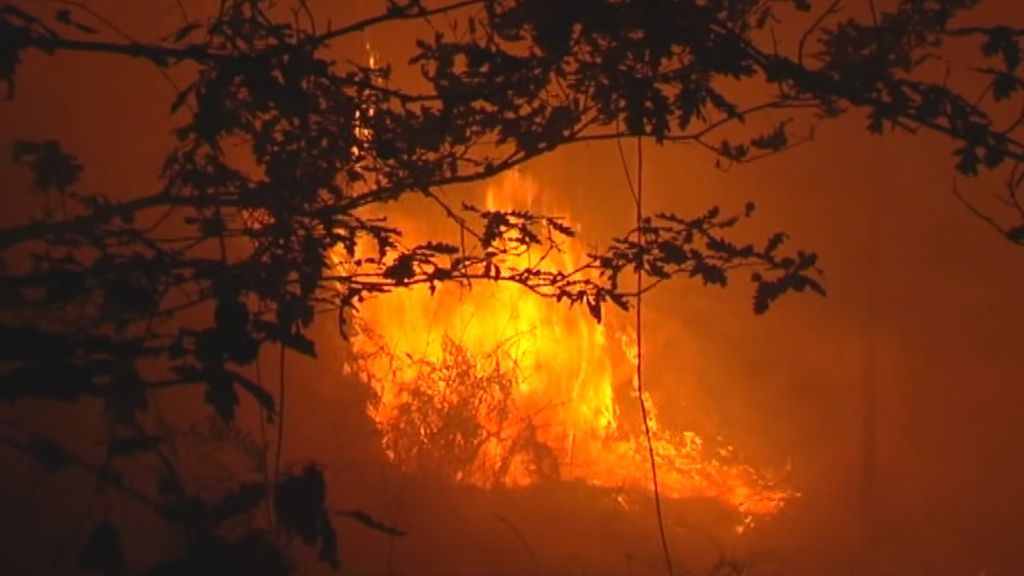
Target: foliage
456, 418
285, 149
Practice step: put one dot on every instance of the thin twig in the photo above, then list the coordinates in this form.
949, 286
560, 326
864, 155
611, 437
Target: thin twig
280, 416
183, 12
389, 16
522, 542
639, 357
830, 11
265, 465
976, 211
629, 177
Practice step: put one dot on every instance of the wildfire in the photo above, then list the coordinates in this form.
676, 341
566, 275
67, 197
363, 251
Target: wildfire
493, 386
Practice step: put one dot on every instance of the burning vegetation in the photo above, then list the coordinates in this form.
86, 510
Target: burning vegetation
485, 384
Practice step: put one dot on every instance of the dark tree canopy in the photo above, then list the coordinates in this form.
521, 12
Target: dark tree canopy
286, 145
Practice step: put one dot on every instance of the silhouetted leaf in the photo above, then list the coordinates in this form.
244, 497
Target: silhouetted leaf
64, 17
260, 394
402, 269
122, 446
102, 552
772, 141
253, 553
1002, 40
231, 316
969, 160
49, 455
181, 97
370, 522
765, 293
1005, 85
126, 396
53, 168
192, 513
221, 394
594, 307
440, 248
242, 500
300, 502
774, 243
186, 31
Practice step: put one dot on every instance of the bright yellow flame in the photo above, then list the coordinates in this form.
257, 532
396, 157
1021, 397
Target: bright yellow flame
493, 386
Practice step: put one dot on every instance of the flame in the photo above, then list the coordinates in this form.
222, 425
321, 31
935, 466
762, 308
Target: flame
492, 386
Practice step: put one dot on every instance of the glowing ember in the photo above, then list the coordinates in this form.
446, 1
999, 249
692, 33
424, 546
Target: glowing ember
493, 386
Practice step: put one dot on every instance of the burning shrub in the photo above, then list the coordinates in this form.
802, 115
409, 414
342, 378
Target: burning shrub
457, 419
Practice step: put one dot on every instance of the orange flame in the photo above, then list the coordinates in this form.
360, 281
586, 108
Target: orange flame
493, 386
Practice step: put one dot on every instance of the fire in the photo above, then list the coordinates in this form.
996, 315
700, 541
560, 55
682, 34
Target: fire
493, 386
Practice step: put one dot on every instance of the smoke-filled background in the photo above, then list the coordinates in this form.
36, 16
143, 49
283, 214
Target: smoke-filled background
895, 402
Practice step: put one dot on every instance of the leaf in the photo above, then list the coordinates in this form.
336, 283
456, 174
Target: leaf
876, 121
714, 276
187, 372
774, 242
969, 160
300, 343
558, 226
300, 502
371, 522
48, 454
1004, 86
1016, 234
54, 169
64, 17
328, 544
241, 348
765, 294
672, 252
103, 552
191, 512
186, 31
994, 156
25, 149
231, 316
734, 152
254, 553
815, 286
221, 394
181, 97
402, 269
128, 295
260, 394
772, 141
1001, 40
594, 307
242, 500
122, 446
442, 248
